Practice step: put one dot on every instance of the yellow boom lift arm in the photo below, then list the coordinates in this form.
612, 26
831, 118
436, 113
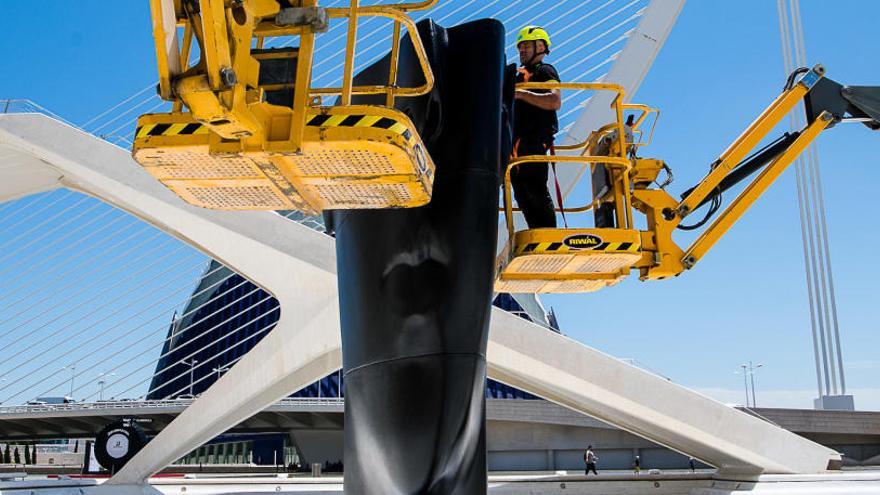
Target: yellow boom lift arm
239, 139
584, 260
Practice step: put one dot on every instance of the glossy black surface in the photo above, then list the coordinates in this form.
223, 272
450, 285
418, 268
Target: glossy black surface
416, 284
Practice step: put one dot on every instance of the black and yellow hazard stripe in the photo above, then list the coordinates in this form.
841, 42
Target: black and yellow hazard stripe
315, 120
182, 129
558, 247
376, 121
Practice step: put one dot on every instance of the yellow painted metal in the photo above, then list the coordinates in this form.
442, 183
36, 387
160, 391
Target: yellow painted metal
544, 260
229, 121
348, 66
636, 127
165, 40
177, 106
645, 172
216, 51
567, 260
753, 191
619, 178
301, 95
228, 149
356, 156
612, 161
619, 161
395, 59
661, 256
741, 147
396, 15
550, 260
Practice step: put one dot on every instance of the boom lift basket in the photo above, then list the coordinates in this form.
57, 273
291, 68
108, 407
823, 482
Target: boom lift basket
233, 150
573, 260
568, 260
583, 260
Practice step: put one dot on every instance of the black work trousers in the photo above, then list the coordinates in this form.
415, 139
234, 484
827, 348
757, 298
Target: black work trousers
529, 181
591, 466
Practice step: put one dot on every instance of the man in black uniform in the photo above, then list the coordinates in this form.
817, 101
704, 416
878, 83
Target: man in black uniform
535, 123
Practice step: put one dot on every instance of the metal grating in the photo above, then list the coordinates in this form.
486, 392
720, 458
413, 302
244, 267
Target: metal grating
344, 162
193, 165
572, 286
604, 263
537, 263
237, 197
364, 195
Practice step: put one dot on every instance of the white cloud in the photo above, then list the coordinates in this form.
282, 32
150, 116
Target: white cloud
866, 399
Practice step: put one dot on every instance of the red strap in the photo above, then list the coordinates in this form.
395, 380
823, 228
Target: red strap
558, 189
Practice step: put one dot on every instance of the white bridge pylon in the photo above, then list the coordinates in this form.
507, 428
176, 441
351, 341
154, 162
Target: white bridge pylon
297, 265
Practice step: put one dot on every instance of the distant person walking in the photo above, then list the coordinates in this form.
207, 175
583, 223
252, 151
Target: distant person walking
637, 465
692, 464
590, 458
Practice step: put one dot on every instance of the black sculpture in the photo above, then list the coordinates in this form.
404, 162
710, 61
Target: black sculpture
415, 285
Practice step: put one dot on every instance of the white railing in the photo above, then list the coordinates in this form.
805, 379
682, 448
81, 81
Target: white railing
172, 404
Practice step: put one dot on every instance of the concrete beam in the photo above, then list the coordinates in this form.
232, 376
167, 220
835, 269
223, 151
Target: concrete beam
571, 374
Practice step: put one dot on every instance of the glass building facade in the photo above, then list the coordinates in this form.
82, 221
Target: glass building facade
227, 315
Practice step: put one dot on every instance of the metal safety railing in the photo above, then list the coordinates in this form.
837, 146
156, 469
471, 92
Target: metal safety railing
617, 159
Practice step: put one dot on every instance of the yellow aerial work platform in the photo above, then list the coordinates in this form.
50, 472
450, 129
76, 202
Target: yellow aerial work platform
583, 260
233, 150
564, 260
568, 260
351, 157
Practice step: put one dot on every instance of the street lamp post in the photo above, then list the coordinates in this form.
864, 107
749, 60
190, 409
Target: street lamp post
192, 366
72, 369
748, 372
219, 370
102, 382
752, 373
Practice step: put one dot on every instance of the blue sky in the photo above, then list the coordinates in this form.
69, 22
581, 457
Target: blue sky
721, 65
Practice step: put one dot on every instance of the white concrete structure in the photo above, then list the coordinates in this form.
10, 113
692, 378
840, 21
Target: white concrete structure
297, 265
288, 260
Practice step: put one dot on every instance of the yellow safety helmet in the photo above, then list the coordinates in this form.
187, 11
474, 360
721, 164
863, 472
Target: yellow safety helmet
533, 33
